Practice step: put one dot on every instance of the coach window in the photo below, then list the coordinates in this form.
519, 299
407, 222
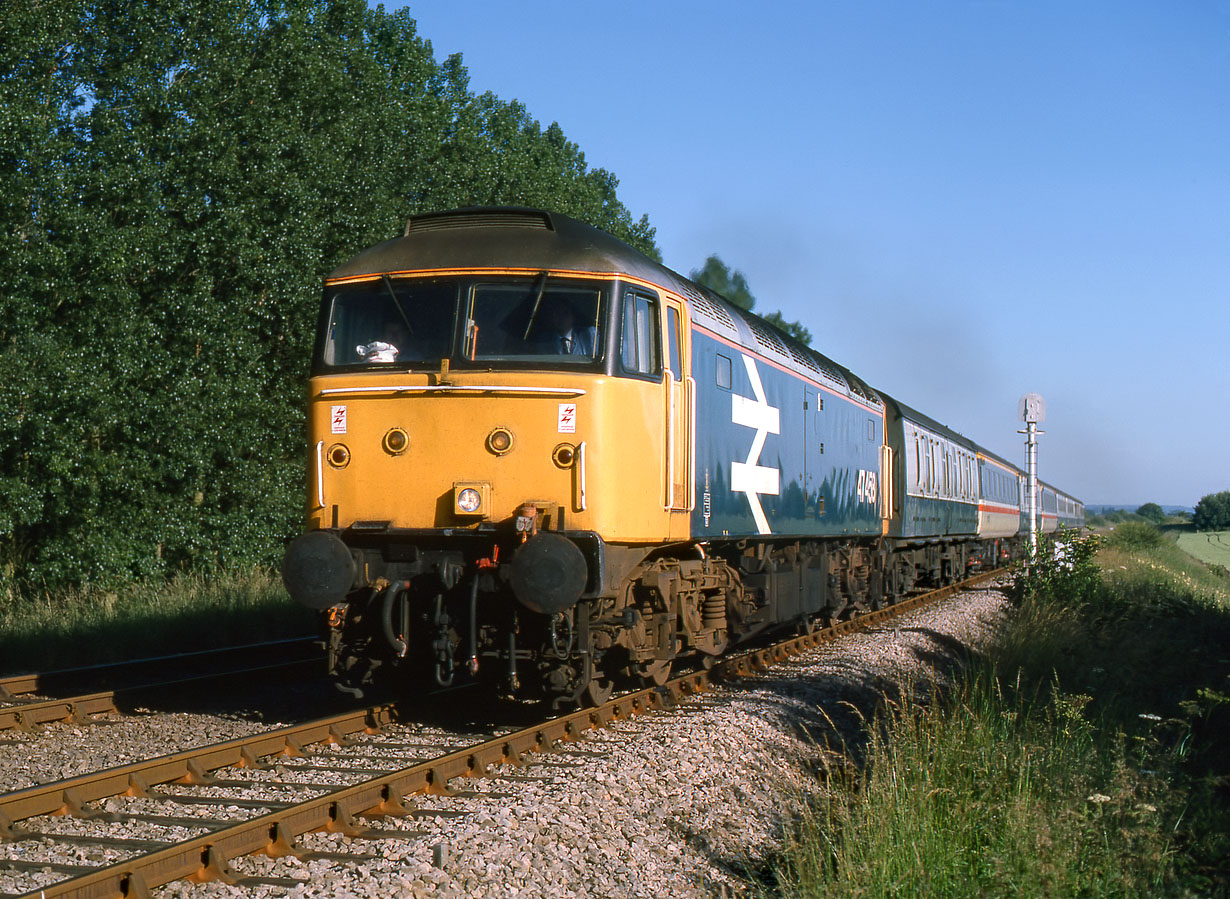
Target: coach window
920, 463
934, 467
639, 346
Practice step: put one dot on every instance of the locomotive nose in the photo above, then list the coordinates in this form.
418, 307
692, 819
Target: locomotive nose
548, 573
318, 569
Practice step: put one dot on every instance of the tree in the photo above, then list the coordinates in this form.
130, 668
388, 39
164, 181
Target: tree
727, 283
1153, 512
1213, 512
731, 285
175, 178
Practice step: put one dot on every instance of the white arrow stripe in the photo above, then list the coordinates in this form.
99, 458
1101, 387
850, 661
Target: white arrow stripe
750, 477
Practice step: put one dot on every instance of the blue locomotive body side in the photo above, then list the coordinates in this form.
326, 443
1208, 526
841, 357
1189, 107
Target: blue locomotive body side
777, 454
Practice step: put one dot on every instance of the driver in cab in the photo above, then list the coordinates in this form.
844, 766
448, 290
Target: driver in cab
560, 333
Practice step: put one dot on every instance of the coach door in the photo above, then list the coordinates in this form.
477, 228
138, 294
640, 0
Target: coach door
680, 489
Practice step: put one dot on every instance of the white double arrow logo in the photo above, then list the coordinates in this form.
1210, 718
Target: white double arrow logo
751, 477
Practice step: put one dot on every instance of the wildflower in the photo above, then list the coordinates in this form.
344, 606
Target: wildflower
1099, 798
1144, 806
1149, 716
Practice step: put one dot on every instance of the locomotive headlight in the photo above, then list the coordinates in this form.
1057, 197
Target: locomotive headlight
472, 498
469, 501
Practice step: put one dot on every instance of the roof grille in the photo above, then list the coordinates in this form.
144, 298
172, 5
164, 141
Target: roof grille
804, 359
862, 389
452, 221
766, 337
714, 311
829, 370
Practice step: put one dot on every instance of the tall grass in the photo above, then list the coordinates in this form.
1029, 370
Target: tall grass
1082, 756
81, 627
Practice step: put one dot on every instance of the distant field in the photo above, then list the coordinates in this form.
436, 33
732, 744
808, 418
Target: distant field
1207, 546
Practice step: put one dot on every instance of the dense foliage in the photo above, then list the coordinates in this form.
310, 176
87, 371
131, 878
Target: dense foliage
1213, 512
175, 178
1153, 512
1135, 535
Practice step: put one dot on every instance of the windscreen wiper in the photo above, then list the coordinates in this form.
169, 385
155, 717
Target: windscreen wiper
542, 285
388, 283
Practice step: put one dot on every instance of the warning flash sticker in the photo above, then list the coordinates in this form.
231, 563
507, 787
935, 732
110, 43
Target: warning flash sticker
567, 418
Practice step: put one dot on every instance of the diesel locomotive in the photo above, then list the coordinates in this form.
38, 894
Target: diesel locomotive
541, 459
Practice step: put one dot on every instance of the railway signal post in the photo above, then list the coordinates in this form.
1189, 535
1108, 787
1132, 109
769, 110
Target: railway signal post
1033, 413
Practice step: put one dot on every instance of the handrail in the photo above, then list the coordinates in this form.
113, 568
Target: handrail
320, 473
580, 464
691, 438
496, 389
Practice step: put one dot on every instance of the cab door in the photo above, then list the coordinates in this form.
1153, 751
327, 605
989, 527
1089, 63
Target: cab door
679, 494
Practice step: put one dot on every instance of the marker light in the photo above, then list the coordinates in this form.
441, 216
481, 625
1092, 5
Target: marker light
339, 455
469, 501
396, 441
500, 441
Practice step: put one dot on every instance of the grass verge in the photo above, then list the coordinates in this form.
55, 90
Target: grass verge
1084, 755
191, 612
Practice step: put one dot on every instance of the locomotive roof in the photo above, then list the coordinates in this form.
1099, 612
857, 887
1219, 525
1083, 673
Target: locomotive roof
504, 237
521, 237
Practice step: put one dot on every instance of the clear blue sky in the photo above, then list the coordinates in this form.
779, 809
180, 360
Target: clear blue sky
963, 201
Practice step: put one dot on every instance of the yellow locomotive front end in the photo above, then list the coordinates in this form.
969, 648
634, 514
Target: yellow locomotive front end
492, 448
435, 424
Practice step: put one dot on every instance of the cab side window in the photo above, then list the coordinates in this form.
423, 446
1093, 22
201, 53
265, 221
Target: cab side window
639, 347
672, 343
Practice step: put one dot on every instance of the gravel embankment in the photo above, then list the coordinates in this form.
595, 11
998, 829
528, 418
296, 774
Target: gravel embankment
680, 803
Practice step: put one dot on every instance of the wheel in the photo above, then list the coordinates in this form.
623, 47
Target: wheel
599, 689
656, 673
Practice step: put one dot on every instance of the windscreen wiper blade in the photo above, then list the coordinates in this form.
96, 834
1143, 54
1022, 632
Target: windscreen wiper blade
542, 286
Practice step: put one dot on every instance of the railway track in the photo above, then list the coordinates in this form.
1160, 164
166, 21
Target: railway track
260, 780
22, 697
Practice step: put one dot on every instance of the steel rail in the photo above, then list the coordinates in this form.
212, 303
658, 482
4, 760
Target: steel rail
80, 709
15, 685
188, 766
206, 857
